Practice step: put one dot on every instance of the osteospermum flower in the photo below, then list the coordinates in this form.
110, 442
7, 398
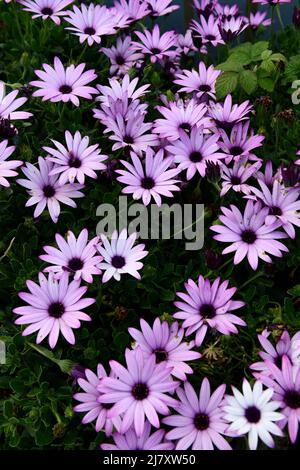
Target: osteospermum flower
257, 19
77, 160
208, 305
151, 180
253, 412
201, 83
180, 115
44, 9
268, 177
147, 441
139, 392
226, 115
134, 10
283, 205
286, 385
157, 46
45, 190
194, 151
60, 84
240, 143
75, 256
9, 104
91, 23
95, 411
124, 89
7, 167
199, 424
185, 43
231, 28
120, 256
161, 7
285, 346
249, 235
54, 306
165, 342
226, 12
271, 2
122, 56
207, 30
236, 177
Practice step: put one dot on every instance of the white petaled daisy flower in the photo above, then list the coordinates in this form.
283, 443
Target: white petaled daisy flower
45, 9
253, 412
7, 167
120, 256
122, 56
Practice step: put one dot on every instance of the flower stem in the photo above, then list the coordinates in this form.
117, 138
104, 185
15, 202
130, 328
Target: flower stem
256, 276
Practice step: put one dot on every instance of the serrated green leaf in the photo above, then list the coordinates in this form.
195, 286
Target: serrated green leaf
248, 81
268, 65
266, 54
266, 83
295, 291
226, 83
230, 66
257, 49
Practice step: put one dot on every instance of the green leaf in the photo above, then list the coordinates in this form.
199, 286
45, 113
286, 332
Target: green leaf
266, 54
226, 83
295, 291
248, 81
266, 83
241, 57
230, 66
44, 436
268, 65
257, 49
278, 57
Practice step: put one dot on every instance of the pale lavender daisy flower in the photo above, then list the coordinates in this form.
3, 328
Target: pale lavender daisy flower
271, 2
268, 178
227, 12
201, 83
151, 180
120, 256
44, 9
161, 7
236, 177
54, 306
45, 190
208, 305
165, 341
199, 424
257, 19
207, 30
96, 411
249, 235
124, 89
147, 441
232, 28
226, 115
75, 161
122, 56
156, 45
194, 151
185, 43
240, 143
7, 167
134, 10
60, 84
9, 103
139, 392
253, 412
205, 7
75, 256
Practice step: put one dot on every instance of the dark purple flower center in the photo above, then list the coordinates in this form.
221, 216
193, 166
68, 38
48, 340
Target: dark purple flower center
47, 11
275, 210
292, 399
252, 414
106, 406
140, 391
225, 125
185, 126
204, 87
75, 264
195, 156
155, 50
248, 236
235, 180
56, 309
147, 182
160, 355
118, 261
7, 130
120, 60
201, 421
128, 139
49, 191
235, 151
207, 311
89, 30
210, 37
66, 89
74, 162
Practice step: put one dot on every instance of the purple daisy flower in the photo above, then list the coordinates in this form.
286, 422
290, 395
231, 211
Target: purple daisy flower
268, 178
54, 306
249, 235
90, 23
157, 46
240, 143
201, 83
45, 190
77, 160
180, 115
253, 412
124, 89
7, 167
75, 256
147, 441
208, 30
96, 411
9, 104
185, 43
226, 12
227, 115
60, 84
283, 205
232, 28
134, 10
271, 2
199, 424
165, 342
122, 56
205, 7
285, 346
257, 19
140, 391
44, 9
208, 305
120, 256
151, 180
236, 177
161, 7
286, 385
